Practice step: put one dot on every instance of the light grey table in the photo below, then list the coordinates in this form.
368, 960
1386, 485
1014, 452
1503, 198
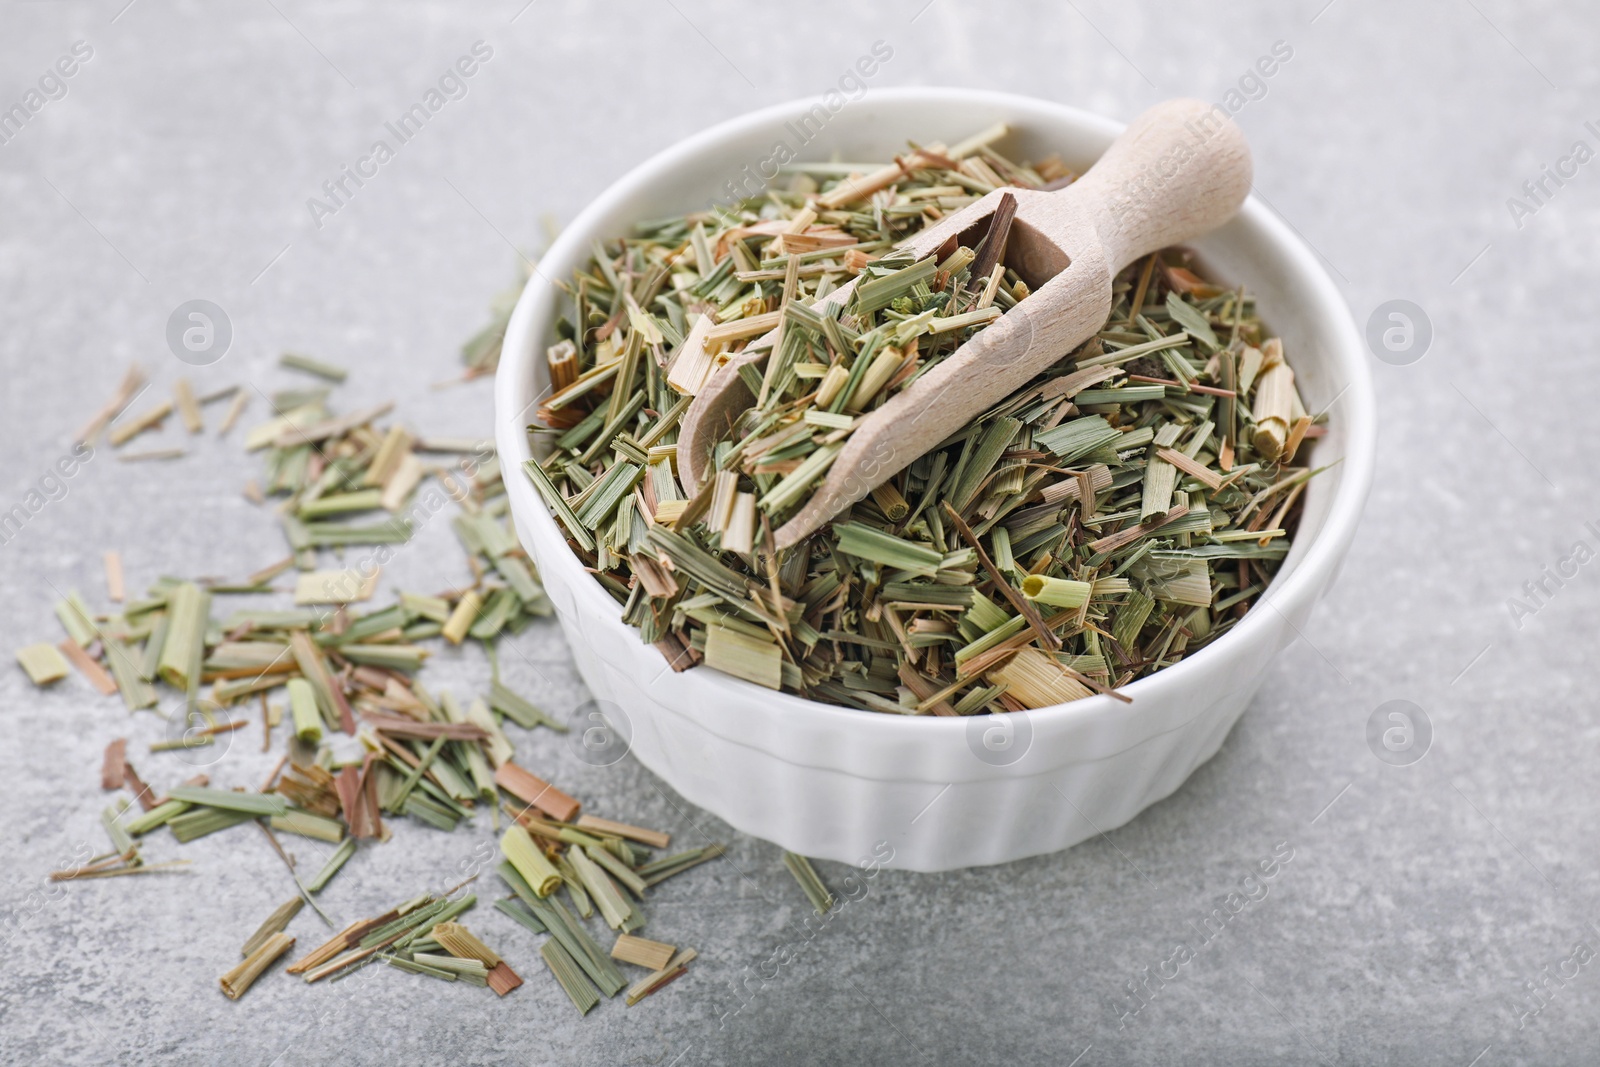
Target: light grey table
1420, 900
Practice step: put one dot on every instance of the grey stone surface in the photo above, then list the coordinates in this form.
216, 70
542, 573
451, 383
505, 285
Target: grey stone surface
1419, 900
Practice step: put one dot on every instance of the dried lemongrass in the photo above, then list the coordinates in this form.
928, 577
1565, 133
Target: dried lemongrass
536, 792
530, 861
810, 883
89, 667
240, 978
571, 977
330, 867
676, 968
1138, 457
313, 366
114, 584
275, 923
121, 435
609, 827
642, 952
43, 663
303, 711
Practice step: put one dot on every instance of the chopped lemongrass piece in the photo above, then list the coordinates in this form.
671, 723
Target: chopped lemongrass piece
530, 861
675, 968
249, 804
239, 979
653, 838
572, 979
275, 923
1057, 592
810, 884
303, 710
43, 662
642, 952
312, 366
743, 656
335, 587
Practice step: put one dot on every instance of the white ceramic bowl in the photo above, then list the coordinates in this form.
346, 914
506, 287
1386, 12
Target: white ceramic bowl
837, 783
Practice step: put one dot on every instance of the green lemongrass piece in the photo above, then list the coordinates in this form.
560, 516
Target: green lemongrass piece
1012, 627
667, 866
309, 824
226, 692
518, 911
202, 821
313, 366
251, 804
178, 744
1077, 438
156, 817
573, 981
151, 656
407, 658
75, 619
436, 608
121, 841
520, 710
43, 663
1132, 352
530, 861
518, 577
878, 546
575, 939
338, 859
342, 503
247, 655
275, 923
414, 775
415, 967
618, 869
810, 883
1126, 394
1057, 592
558, 504
183, 649
327, 534
303, 710
799, 481
743, 656
452, 964
613, 908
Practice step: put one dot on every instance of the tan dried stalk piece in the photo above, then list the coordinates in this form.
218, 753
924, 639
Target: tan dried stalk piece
132, 382
335, 587
89, 667
643, 952
121, 435
114, 584
240, 978
459, 941
188, 406
1037, 680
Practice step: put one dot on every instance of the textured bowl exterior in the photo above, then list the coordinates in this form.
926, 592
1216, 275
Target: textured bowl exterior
836, 783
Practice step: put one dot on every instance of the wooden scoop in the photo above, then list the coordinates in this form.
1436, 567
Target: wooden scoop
1181, 169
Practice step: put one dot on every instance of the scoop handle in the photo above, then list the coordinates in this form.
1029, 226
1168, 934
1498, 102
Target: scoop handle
1180, 169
